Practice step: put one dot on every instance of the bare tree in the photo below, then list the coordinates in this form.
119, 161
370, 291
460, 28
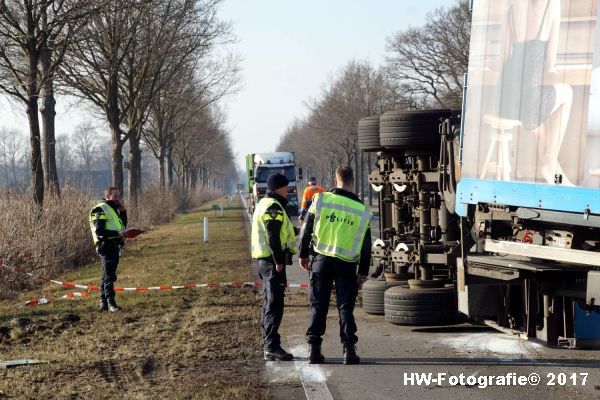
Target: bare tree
12, 148
85, 146
428, 62
203, 155
179, 35
177, 105
64, 156
170, 115
131, 50
359, 91
103, 158
34, 32
94, 67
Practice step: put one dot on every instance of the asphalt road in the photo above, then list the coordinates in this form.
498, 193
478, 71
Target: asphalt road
391, 354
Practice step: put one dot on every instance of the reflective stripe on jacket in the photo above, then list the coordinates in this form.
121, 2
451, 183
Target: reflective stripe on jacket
259, 240
340, 226
113, 221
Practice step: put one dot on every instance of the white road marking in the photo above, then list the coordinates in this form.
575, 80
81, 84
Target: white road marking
313, 378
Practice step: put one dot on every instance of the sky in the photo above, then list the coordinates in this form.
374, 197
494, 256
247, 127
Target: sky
290, 49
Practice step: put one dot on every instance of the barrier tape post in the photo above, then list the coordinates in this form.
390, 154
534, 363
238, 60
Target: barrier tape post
205, 230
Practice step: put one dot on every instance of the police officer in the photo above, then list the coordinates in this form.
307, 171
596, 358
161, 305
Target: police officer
311, 190
273, 243
338, 225
108, 220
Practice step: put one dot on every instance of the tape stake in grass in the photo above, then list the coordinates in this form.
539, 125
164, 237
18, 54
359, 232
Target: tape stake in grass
205, 230
20, 363
36, 302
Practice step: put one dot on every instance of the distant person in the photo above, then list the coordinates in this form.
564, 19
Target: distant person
273, 244
338, 226
108, 220
311, 190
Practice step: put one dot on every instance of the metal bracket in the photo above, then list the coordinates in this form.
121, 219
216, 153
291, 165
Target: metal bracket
377, 188
400, 188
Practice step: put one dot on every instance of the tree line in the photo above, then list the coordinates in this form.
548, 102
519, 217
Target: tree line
424, 68
153, 71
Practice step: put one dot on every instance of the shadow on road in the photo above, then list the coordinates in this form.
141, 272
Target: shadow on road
455, 329
480, 361
527, 362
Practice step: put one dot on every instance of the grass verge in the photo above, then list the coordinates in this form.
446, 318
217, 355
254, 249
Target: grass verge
185, 344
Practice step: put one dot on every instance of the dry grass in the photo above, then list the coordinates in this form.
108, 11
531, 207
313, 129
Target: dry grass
57, 239
191, 344
159, 206
53, 239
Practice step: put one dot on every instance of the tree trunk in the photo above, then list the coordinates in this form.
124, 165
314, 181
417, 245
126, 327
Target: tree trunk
194, 181
6, 176
37, 172
161, 170
169, 169
114, 121
135, 160
48, 128
14, 172
117, 159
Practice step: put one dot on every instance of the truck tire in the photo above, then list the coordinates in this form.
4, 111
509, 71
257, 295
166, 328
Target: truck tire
372, 295
418, 283
393, 277
368, 134
420, 321
400, 130
403, 306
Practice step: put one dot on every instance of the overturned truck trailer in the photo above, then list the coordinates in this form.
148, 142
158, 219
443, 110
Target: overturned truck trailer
493, 212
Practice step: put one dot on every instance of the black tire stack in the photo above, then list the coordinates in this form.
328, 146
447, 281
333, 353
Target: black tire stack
407, 133
373, 292
368, 134
404, 306
411, 129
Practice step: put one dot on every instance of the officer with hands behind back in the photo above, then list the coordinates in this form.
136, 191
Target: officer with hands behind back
338, 226
273, 243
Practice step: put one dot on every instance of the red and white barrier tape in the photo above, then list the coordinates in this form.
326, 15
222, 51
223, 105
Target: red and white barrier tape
73, 295
44, 300
36, 302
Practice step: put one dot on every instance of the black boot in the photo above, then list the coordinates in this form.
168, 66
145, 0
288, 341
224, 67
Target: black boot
112, 305
103, 305
314, 354
350, 356
278, 354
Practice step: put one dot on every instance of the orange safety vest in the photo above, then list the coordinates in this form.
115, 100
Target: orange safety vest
308, 195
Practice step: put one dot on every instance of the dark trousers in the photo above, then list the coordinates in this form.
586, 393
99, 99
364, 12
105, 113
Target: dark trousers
273, 301
109, 256
325, 271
